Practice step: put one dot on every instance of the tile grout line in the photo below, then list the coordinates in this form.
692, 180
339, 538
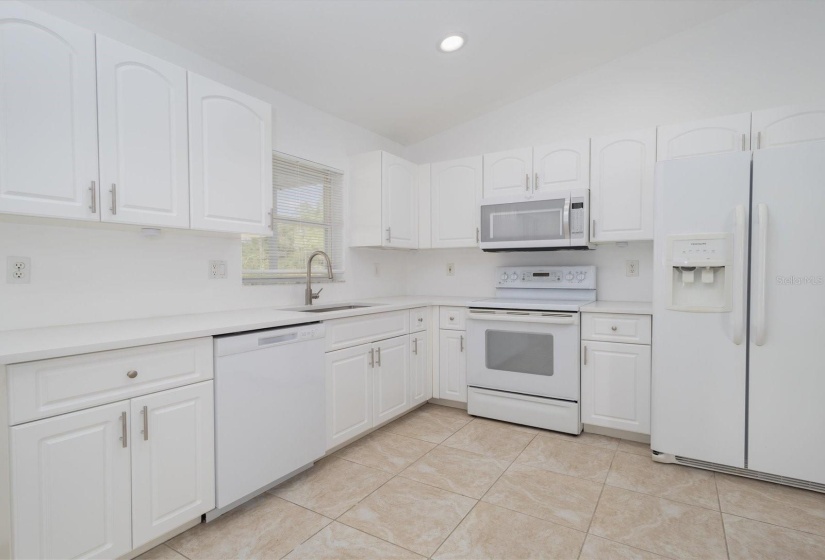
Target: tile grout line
592, 517
721, 516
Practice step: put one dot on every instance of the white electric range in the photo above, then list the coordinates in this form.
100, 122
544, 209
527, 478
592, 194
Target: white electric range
524, 365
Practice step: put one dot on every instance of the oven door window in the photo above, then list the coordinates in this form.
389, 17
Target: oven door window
519, 352
536, 220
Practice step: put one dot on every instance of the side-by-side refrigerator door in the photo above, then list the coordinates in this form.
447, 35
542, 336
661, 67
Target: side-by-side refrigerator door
699, 346
786, 425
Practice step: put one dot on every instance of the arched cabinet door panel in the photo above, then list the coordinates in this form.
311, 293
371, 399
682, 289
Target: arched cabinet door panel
720, 135
455, 191
774, 128
144, 167
230, 159
562, 166
508, 173
48, 115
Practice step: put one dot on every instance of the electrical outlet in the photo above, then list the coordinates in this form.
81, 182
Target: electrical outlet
217, 270
450, 269
18, 270
631, 268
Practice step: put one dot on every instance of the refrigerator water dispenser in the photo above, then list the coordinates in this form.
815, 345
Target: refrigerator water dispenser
701, 270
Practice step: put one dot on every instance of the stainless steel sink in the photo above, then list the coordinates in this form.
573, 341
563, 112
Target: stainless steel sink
328, 308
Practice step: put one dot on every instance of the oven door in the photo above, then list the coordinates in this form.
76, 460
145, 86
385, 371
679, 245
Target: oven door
516, 223
533, 353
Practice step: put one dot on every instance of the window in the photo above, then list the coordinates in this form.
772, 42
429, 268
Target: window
307, 216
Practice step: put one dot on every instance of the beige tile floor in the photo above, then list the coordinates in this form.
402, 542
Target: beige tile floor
438, 483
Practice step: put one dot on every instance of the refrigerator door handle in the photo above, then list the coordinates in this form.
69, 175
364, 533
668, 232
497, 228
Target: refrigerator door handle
739, 276
761, 272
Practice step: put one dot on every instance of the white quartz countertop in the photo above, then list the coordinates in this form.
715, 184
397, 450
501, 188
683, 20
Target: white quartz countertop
42, 343
631, 307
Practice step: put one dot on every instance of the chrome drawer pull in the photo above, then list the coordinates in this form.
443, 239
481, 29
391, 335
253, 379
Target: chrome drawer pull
131, 374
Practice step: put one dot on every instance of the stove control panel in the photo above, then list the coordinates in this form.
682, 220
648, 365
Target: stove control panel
579, 277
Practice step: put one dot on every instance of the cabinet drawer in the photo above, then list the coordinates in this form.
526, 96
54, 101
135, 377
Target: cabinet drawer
616, 327
419, 319
343, 333
453, 318
50, 387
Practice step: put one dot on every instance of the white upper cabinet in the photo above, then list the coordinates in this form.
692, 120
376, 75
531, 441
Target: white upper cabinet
384, 201
720, 135
230, 159
621, 186
455, 191
508, 173
48, 116
561, 166
399, 202
144, 167
774, 128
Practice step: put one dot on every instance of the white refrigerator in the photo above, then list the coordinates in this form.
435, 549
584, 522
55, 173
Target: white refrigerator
739, 313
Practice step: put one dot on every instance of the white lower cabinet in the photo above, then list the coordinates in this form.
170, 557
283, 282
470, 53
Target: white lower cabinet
173, 467
421, 377
452, 370
349, 393
71, 485
391, 378
616, 385
101, 482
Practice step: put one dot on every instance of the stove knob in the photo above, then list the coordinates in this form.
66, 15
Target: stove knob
569, 277
504, 276
514, 276
580, 276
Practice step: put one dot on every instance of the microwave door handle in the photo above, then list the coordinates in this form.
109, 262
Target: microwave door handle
566, 218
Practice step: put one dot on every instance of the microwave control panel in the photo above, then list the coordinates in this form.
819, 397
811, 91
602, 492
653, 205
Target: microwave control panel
546, 277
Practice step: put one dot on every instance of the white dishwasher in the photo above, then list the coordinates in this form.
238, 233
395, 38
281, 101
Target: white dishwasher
269, 409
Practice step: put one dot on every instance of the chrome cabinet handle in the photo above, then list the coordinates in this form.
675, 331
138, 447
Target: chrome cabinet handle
113, 190
124, 436
526, 181
93, 204
461, 347
743, 141
613, 328
145, 423
378, 357
372, 357
415, 346
535, 182
389, 235
584, 356
478, 235
759, 140
131, 374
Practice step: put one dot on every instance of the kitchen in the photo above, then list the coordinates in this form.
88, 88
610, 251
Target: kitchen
452, 400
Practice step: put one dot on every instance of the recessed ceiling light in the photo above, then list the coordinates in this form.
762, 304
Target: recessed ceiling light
451, 43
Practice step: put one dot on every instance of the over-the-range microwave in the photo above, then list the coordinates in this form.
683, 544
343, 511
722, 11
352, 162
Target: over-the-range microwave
552, 221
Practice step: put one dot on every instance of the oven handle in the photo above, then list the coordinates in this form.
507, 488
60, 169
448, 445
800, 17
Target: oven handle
555, 319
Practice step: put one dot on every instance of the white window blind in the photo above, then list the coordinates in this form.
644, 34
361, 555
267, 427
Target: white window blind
307, 216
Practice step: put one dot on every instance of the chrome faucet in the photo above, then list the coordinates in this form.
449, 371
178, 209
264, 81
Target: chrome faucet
310, 295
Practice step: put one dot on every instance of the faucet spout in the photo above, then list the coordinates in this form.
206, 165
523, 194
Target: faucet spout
309, 294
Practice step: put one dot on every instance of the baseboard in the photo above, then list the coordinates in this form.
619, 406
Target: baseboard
613, 432
161, 539
452, 404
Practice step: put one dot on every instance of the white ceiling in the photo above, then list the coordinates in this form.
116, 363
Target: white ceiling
375, 62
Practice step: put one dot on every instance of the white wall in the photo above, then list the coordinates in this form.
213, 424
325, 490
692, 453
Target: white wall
84, 273
764, 55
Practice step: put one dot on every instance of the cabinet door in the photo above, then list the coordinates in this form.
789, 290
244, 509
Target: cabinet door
173, 459
562, 166
453, 365
456, 191
774, 128
616, 386
349, 374
621, 182
391, 378
421, 378
508, 173
721, 135
144, 167
230, 159
399, 202
71, 482
48, 116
